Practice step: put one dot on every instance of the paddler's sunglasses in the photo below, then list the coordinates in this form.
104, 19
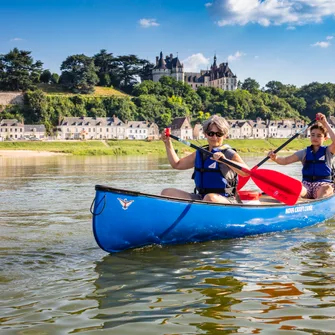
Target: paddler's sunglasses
212, 133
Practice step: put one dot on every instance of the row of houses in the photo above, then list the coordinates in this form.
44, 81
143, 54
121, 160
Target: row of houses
81, 128
12, 129
99, 128
102, 128
242, 129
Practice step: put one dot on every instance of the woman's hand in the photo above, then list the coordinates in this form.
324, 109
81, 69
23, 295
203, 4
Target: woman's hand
218, 155
272, 156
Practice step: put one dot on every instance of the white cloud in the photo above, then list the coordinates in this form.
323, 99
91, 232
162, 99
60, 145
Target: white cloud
321, 44
16, 39
271, 12
208, 4
236, 56
329, 37
290, 28
147, 23
195, 62
256, 57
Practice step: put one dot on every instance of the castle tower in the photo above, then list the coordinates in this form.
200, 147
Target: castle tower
177, 68
160, 68
214, 69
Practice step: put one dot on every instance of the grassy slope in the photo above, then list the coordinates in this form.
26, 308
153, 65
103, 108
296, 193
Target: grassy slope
53, 89
128, 147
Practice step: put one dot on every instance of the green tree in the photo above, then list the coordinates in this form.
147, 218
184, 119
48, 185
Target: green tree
150, 108
250, 85
37, 109
54, 78
124, 108
177, 107
315, 94
129, 70
18, 71
79, 74
147, 87
107, 68
96, 112
45, 77
274, 87
146, 71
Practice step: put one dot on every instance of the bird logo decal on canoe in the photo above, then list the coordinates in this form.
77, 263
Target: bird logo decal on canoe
125, 203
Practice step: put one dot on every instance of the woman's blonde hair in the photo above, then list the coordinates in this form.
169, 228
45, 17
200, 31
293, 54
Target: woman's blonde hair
220, 123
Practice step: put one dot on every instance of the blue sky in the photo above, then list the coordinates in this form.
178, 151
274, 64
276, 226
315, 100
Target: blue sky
292, 41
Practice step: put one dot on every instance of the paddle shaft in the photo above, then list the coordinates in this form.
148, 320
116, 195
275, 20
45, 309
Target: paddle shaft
285, 143
223, 160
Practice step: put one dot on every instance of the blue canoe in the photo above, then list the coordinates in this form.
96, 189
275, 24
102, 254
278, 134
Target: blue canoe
126, 219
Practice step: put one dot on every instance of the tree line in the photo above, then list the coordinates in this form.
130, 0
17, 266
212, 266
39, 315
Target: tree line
158, 102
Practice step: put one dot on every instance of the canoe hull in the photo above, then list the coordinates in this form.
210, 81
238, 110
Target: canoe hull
125, 219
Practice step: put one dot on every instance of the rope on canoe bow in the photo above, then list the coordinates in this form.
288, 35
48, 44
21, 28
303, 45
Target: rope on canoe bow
103, 207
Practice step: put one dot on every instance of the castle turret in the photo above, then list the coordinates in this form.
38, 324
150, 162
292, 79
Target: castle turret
168, 67
160, 69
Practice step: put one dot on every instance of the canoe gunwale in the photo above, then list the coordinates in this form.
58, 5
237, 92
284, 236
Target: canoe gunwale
141, 194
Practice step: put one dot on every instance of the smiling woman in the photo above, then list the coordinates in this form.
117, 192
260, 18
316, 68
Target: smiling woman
214, 182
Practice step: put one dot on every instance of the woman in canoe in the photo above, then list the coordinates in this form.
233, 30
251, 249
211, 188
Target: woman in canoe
214, 182
317, 160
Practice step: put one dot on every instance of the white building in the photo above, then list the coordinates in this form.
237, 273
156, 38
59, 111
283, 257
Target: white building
91, 128
181, 127
104, 128
240, 129
141, 130
34, 131
12, 129
198, 132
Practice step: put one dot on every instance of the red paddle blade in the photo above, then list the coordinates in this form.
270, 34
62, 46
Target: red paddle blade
277, 185
242, 181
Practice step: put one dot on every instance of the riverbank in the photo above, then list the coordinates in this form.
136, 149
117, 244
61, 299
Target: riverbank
28, 153
129, 147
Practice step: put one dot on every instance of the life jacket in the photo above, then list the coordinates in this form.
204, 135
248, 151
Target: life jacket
315, 167
209, 176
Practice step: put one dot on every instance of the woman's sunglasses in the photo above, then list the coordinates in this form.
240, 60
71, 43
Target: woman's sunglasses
212, 133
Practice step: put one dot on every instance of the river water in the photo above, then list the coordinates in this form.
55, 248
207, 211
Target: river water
56, 280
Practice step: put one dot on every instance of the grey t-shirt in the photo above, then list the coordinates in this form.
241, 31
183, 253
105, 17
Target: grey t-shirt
329, 156
226, 170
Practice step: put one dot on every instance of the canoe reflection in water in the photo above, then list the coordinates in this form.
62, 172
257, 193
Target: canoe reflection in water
227, 285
